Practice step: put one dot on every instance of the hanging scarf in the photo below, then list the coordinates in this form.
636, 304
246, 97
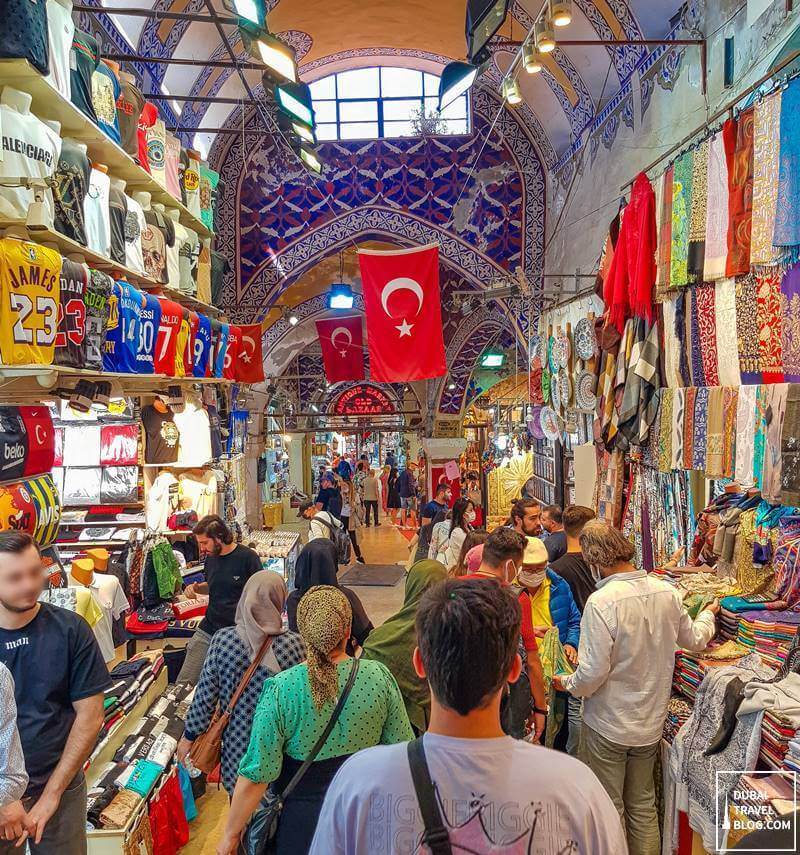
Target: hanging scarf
628, 289
698, 376
651, 451
716, 254
760, 438
747, 331
730, 405
705, 296
678, 406
623, 367
608, 253
700, 435
671, 343
738, 135
767, 519
770, 325
684, 341
745, 428
787, 212
790, 448
665, 439
554, 663
697, 216
605, 398
714, 432
790, 312
681, 207
665, 232
688, 427
639, 404
766, 131
776, 412
725, 331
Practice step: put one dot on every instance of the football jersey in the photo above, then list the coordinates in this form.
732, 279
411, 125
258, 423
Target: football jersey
149, 323
184, 331
29, 297
97, 299
167, 340
188, 353
220, 333
232, 353
47, 507
72, 314
202, 347
122, 335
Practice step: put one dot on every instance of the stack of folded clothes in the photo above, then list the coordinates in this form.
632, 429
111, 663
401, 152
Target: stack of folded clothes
178, 619
679, 710
776, 734
690, 668
728, 623
791, 759
763, 796
768, 633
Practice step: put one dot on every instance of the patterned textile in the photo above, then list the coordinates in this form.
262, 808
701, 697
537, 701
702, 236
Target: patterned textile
787, 212
790, 448
705, 295
554, 663
682, 338
714, 432
747, 332
767, 122
605, 397
623, 367
725, 330
760, 439
738, 136
672, 355
678, 406
699, 436
776, 412
651, 450
697, 216
770, 325
688, 427
716, 254
730, 405
745, 428
698, 375
665, 438
787, 560
664, 214
610, 478
752, 578
790, 313
681, 208
639, 404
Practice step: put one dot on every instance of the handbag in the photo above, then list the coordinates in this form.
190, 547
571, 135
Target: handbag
206, 750
263, 829
436, 836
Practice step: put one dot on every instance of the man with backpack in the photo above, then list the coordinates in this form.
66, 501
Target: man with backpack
323, 524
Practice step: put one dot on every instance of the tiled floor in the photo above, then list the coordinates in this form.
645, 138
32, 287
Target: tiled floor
382, 545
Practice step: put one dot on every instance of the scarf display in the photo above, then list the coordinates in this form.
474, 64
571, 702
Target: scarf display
260, 610
624, 365
776, 413
715, 428
700, 429
672, 354
628, 288
738, 135
665, 438
690, 397
605, 396
747, 329
665, 232
682, 338
790, 315
678, 406
639, 404
766, 130
697, 216
787, 211
770, 325
705, 296
610, 480
745, 427
730, 404
681, 210
716, 246
554, 663
787, 560
696, 363
790, 448
725, 331
760, 438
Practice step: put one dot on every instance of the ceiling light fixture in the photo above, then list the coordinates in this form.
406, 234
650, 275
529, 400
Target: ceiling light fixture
252, 12
305, 132
511, 91
278, 57
484, 19
310, 158
531, 58
293, 320
493, 359
545, 37
295, 100
456, 79
561, 12
340, 296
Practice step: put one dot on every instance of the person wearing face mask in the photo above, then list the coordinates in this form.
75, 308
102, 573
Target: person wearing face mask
630, 629
448, 538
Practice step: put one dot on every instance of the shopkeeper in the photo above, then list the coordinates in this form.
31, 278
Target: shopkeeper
228, 566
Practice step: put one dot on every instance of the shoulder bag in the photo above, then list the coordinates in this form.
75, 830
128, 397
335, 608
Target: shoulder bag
436, 836
206, 750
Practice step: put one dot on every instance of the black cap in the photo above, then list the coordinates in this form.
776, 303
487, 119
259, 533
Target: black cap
304, 506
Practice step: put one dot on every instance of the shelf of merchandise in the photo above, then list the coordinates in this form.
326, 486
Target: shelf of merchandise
184, 299
101, 523
48, 103
82, 544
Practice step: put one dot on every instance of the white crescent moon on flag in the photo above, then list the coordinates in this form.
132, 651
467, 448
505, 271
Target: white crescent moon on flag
403, 283
40, 438
344, 331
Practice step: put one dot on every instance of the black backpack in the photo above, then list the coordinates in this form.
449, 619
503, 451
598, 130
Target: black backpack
341, 540
335, 505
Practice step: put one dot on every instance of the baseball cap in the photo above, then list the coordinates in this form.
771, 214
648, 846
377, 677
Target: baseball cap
535, 552
304, 506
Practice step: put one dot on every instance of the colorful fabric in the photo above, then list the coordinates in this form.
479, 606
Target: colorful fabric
665, 232
776, 412
678, 406
705, 295
688, 427
672, 354
696, 345
790, 448
716, 254
554, 663
682, 338
681, 209
790, 314
747, 332
700, 432
725, 331
787, 559
760, 438
767, 122
787, 212
738, 135
697, 216
714, 432
665, 438
745, 427
770, 325
730, 404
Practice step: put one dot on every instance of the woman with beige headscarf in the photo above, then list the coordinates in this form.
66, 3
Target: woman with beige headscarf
292, 713
232, 650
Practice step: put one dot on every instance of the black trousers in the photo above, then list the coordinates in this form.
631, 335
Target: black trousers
352, 532
371, 505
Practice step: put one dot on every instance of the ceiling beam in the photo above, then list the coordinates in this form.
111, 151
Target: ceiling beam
153, 13
199, 63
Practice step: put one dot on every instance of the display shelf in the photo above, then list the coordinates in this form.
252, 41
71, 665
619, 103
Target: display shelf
184, 299
80, 544
100, 523
48, 103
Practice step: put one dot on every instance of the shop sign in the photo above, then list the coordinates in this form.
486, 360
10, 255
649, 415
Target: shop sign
447, 428
363, 400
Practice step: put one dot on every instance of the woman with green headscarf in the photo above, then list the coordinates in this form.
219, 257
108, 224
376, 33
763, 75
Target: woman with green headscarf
393, 643
292, 713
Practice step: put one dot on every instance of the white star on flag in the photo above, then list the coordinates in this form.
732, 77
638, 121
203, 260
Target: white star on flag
405, 328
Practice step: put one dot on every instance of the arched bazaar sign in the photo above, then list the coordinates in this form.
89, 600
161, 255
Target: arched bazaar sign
363, 400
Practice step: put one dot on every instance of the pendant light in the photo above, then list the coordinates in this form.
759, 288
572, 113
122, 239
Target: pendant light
511, 92
531, 59
561, 12
545, 37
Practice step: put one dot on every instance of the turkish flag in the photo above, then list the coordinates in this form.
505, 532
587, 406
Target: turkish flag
342, 348
250, 363
404, 317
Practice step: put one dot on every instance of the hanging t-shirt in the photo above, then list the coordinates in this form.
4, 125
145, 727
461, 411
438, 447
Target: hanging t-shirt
195, 431
72, 314
219, 270
105, 91
122, 334
30, 150
96, 214
117, 214
220, 335
150, 320
167, 340
156, 151
70, 189
119, 485
173, 257
188, 353
182, 164
129, 107
202, 346
135, 224
172, 159
24, 33
208, 190
204, 272
75, 670
184, 330
97, 299
191, 184
60, 32
232, 352
113, 603
29, 298
147, 118
161, 434
159, 234
216, 432
83, 61
188, 252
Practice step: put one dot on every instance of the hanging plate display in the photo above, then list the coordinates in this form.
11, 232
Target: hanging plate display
545, 385
562, 350
585, 341
536, 381
555, 391
535, 423
536, 343
549, 422
564, 387
585, 384
543, 350
552, 361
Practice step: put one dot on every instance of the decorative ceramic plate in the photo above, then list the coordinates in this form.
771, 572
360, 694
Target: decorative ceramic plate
585, 340
536, 381
545, 385
543, 349
565, 387
535, 423
550, 426
562, 350
536, 343
585, 384
555, 391
552, 358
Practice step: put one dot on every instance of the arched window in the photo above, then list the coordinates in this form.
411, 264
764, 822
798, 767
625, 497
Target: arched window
368, 103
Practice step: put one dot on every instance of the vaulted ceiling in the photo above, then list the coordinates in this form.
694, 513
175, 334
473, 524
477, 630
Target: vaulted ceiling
330, 35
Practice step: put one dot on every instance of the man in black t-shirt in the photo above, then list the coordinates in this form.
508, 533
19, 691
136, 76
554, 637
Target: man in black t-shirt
440, 502
327, 491
571, 566
555, 541
59, 677
228, 566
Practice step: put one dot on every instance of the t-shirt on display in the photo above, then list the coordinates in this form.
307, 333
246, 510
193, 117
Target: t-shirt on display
118, 214
70, 190
60, 32
135, 224
146, 119
96, 215
98, 299
84, 59
105, 91
157, 241
191, 184
109, 595
129, 108
162, 436
167, 338
150, 320
122, 333
172, 159
156, 151
188, 252
72, 314
199, 491
119, 485
226, 576
195, 431
220, 267
208, 190
24, 33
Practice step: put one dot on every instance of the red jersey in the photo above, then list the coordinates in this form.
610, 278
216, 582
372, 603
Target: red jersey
229, 368
167, 339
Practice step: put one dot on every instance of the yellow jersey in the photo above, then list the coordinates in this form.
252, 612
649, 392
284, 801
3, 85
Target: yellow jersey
180, 347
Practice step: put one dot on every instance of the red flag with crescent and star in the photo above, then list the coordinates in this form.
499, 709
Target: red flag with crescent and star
249, 365
404, 316
342, 348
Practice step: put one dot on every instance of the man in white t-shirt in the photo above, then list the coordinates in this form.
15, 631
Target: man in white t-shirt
322, 523
493, 793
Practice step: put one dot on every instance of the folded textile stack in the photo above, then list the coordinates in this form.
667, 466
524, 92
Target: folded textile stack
791, 759
690, 668
768, 633
776, 733
679, 710
762, 796
728, 623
